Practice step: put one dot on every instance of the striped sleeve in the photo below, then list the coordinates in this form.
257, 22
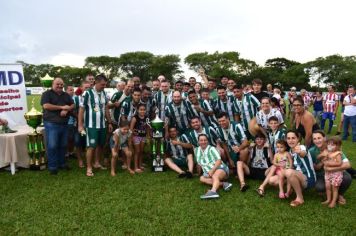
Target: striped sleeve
214, 154
240, 132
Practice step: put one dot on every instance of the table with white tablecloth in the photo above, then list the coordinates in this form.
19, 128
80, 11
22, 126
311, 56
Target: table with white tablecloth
13, 148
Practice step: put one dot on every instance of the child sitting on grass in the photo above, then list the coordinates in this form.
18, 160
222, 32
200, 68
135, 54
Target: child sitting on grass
121, 142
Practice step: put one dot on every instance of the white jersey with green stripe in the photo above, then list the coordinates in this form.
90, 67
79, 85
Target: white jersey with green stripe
160, 101
178, 115
304, 164
176, 151
94, 104
209, 120
128, 108
192, 136
273, 137
226, 106
247, 108
262, 117
207, 158
119, 96
234, 135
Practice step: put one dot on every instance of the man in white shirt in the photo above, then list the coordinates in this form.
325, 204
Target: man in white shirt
350, 113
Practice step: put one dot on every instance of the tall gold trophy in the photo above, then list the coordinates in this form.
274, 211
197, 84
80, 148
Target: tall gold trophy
35, 145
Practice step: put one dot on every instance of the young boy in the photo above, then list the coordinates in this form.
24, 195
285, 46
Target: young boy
275, 133
121, 142
259, 161
177, 156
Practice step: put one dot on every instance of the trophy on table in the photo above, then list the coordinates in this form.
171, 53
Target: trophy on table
157, 126
35, 147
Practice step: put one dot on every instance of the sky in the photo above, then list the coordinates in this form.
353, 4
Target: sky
66, 32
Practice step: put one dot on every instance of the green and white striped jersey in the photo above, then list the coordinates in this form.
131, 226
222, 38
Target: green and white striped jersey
160, 101
119, 96
178, 115
232, 136
128, 108
176, 151
225, 106
304, 164
94, 103
207, 158
205, 119
273, 137
262, 117
192, 136
247, 108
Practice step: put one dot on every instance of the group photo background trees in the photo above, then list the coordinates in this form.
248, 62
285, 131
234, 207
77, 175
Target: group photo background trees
334, 69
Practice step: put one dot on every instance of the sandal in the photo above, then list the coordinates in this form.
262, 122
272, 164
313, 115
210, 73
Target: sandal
100, 167
138, 171
90, 173
244, 187
260, 192
281, 195
296, 203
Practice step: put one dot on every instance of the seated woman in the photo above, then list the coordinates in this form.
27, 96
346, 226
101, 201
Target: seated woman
215, 171
177, 156
303, 175
257, 165
319, 141
304, 121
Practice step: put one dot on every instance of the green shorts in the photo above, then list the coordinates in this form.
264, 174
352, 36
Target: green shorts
95, 137
234, 156
181, 162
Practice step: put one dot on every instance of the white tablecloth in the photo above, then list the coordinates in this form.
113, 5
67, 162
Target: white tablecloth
13, 147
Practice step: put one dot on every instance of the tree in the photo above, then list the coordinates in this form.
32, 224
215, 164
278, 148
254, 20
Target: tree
221, 64
167, 65
334, 69
109, 66
137, 64
280, 64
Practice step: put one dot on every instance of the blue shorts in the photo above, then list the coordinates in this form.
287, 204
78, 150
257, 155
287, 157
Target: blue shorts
310, 182
328, 115
221, 167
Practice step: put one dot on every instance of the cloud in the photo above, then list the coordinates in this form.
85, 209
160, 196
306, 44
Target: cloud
68, 59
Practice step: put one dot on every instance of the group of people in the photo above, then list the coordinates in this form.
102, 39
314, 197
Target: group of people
214, 130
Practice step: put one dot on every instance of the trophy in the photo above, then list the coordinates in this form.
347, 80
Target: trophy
35, 145
157, 126
47, 81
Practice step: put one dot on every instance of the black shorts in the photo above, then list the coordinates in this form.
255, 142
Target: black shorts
256, 173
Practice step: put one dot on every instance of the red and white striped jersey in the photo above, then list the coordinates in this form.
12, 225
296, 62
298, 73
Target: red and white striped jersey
306, 100
330, 100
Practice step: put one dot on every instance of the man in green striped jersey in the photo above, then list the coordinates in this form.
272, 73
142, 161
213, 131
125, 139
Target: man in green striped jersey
130, 104
225, 104
162, 98
79, 140
233, 139
93, 112
202, 109
178, 156
177, 113
118, 98
246, 106
146, 99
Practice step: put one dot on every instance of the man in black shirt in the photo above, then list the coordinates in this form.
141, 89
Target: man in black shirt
56, 108
257, 89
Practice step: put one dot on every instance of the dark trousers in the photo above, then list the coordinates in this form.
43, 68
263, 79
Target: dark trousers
345, 184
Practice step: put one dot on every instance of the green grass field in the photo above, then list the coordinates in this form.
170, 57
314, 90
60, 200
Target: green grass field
158, 204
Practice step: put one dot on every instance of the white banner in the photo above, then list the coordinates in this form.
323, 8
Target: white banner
13, 103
